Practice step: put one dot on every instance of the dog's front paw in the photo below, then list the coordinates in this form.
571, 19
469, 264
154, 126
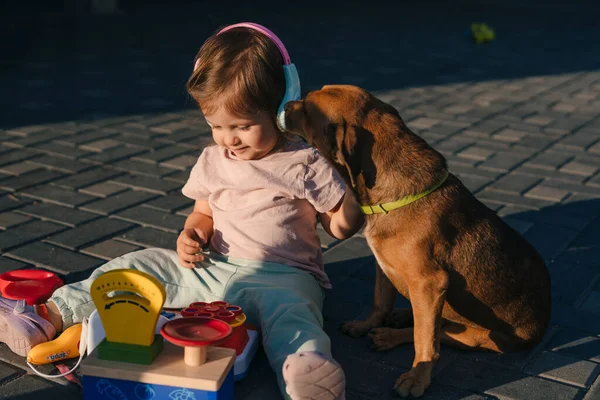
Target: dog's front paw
356, 328
386, 338
413, 382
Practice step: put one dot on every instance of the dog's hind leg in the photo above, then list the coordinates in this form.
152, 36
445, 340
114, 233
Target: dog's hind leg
471, 338
452, 334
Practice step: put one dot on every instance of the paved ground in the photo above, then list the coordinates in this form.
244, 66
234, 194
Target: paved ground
97, 137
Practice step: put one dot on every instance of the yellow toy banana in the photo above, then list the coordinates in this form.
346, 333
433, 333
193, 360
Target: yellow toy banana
63, 347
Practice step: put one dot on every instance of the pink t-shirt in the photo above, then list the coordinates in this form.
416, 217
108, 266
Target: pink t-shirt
267, 209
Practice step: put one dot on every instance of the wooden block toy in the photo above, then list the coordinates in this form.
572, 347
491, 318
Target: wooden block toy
169, 377
132, 362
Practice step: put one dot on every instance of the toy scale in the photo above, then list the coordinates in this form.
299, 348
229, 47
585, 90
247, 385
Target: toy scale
134, 362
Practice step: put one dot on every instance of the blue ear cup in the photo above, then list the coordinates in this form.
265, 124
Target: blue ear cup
292, 92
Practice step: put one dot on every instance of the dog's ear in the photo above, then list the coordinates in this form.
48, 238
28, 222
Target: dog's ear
345, 149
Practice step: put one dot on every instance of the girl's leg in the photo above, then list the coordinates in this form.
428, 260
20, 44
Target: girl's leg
286, 303
183, 286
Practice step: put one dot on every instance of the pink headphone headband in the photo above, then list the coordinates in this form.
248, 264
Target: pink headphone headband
265, 31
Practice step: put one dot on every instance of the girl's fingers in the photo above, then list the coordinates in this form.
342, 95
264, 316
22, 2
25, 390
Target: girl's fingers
189, 249
188, 241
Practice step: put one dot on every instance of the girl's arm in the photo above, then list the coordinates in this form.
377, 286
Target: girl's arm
345, 219
201, 218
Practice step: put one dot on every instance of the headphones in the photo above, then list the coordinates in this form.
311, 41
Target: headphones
292, 80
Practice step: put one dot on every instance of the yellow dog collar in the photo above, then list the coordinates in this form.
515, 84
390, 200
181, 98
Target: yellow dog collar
387, 207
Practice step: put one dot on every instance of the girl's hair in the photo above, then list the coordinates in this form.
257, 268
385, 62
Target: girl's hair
242, 65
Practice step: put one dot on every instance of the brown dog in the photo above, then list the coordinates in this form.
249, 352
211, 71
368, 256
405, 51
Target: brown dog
473, 281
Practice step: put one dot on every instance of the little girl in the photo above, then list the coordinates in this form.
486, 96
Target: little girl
258, 196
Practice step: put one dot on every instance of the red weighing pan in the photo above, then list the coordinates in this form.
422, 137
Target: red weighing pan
194, 334
32, 285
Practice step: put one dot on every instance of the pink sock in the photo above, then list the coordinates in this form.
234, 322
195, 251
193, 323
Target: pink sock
312, 376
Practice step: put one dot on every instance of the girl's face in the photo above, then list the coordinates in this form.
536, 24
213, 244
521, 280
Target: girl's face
247, 138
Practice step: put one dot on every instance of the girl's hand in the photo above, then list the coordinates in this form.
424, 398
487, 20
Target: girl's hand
189, 246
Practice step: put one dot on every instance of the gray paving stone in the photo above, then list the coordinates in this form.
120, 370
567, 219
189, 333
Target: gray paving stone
515, 184
87, 178
476, 172
38, 138
60, 150
170, 203
152, 218
595, 181
564, 369
503, 161
89, 233
57, 259
183, 162
83, 139
26, 130
179, 176
10, 202
519, 225
476, 152
27, 233
55, 213
118, 202
29, 387
576, 344
161, 154
148, 184
8, 372
103, 189
503, 383
578, 168
568, 316
33, 178
505, 198
101, 145
535, 143
109, 249
454, 144
509, 135
135, 141
573, 187
148, 237
550, 243
539, 119
569, 281
61, 164
15, 156
550, 175
549, 160
19, 168
112, 155
579, 140
8, 264
594, 392
57, 195
10, 219
544, 192
143, 168
473, 183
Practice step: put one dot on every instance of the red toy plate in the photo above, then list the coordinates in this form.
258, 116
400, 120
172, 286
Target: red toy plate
32, 285
195, 331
